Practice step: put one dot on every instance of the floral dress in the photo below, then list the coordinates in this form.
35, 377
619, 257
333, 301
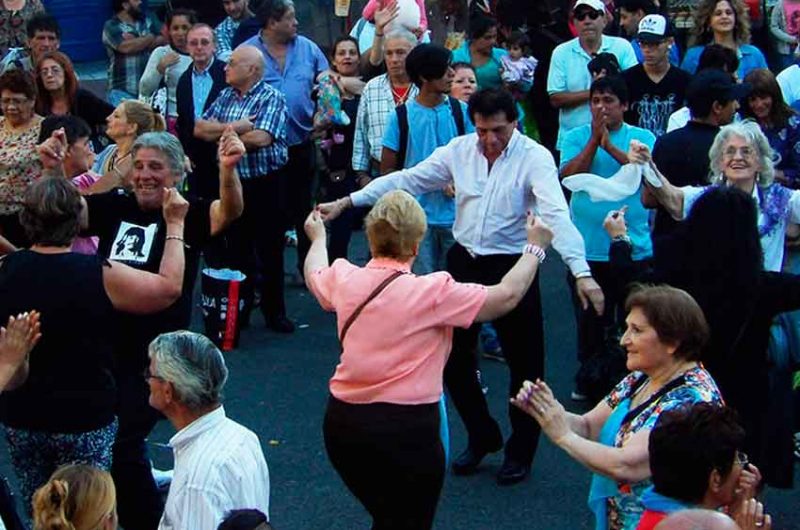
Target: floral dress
19, 164
624, 506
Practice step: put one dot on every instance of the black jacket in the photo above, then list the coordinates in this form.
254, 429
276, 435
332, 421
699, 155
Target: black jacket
204, 180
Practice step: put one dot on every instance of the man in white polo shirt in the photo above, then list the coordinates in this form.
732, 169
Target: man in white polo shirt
569, 79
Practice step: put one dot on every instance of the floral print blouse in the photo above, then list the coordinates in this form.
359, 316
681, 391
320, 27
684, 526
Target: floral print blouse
19, 164
625, 509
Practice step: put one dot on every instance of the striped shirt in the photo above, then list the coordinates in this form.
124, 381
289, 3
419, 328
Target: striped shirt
374, 110
269, 108
219, 467
125, 69
224, 33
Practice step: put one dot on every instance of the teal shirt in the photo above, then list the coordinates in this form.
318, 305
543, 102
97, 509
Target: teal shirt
488, 75
428, 128
588, 216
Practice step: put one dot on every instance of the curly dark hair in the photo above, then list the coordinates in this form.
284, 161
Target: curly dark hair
18, 81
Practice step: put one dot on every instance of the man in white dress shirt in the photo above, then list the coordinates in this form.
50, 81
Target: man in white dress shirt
499, 175
219, 464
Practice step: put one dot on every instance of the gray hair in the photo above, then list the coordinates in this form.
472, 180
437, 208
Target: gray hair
749, 131
169, 146
400, 33
194, 366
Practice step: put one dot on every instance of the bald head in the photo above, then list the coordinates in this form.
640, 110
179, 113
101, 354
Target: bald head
245, 67
697, 520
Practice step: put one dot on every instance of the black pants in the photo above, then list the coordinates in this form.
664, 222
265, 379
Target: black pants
390, 457
256, 240
299, 173
522, 339
139, 502
340, 229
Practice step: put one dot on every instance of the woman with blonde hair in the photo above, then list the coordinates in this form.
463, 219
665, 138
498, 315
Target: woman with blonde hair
77, 497
128, 121
727, 23
382, 423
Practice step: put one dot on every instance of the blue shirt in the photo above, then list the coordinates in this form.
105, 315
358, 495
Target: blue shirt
750, 58
269, 108
674, 53
588, 216
304, 62
201, 88
429, 128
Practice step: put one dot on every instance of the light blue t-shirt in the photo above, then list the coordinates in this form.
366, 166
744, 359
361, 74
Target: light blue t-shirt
750, 58
428, 128
588, 216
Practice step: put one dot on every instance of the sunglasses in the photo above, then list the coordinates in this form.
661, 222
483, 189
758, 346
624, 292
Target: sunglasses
594, 15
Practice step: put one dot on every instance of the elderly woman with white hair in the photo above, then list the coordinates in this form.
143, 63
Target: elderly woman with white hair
219, 464
382, 422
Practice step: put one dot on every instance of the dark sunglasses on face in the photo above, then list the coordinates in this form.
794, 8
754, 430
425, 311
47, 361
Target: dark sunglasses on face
594, 15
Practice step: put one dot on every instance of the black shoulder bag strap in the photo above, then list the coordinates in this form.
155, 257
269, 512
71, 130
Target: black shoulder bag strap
458, 115
385, 283
675, 383
402, 122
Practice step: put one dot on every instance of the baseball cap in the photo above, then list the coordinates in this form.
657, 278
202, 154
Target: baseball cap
596, 5
715, 85
654, 28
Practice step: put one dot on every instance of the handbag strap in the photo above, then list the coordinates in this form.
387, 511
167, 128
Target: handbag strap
385, 283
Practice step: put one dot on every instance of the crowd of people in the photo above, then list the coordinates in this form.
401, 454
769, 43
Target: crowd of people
669, 192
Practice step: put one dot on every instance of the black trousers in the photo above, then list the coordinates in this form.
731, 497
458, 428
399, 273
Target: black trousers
139, 502
390, 457
522, 339
255, 241
299, 173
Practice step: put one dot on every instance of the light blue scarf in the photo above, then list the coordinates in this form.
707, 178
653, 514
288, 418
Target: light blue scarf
603, 487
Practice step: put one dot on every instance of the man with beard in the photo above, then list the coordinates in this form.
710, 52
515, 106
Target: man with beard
129, 37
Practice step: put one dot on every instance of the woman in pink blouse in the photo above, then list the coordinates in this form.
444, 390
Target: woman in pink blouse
382, 422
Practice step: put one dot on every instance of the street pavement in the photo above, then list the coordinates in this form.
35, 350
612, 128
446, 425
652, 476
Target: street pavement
278, 388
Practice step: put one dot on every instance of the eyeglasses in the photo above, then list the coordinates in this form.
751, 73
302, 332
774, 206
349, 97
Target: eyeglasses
54, 70
594, 15
742, 459
201, 42
745, 152
16, 102
148, 375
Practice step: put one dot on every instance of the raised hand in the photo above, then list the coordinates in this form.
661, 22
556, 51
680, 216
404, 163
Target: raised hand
614, 223
167, 60
19, 337
314, 226
537, 400
174, 206
231, 148
383, 16
52, 150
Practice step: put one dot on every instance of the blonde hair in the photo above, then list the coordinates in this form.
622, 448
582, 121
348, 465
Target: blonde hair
146, 118
395, 226
77, 497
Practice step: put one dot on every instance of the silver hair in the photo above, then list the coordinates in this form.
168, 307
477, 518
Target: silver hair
400, 33
194, 366
168, 145
750, 132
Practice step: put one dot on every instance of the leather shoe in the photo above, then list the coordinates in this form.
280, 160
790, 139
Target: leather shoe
279, 323
512, 472
467, 462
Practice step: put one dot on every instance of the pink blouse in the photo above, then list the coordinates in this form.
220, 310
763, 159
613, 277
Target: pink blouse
396, 349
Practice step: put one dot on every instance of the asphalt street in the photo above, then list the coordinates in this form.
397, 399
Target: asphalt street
278, 388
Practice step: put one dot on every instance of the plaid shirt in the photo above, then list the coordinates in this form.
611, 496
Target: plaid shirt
269, 108
125, 70
374, 110
224, 33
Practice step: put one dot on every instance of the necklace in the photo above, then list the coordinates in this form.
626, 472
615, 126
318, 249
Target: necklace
400, 95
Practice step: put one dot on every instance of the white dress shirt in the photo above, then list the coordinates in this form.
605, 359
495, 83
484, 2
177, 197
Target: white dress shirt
491, 205
219, 467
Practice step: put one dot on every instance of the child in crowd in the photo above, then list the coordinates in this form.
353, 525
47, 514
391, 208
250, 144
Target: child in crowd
411, 15
518, 66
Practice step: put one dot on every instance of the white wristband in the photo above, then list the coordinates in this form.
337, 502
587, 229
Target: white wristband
536, 250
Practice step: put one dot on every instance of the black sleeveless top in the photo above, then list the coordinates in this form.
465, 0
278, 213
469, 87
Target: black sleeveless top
70, 388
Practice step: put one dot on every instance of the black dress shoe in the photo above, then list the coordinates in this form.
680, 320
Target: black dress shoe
279, 323
512, 472
467, 462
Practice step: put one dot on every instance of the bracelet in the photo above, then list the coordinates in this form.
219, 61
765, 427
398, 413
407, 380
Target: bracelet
536, 250
584, 274
379, 35
623, 237
178, 238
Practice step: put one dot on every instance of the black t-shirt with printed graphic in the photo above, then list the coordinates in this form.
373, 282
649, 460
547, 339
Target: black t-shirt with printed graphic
650, 104
136, 238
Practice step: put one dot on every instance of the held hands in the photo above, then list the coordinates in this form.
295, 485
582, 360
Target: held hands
614, 223
539, 233
174, 207
638, 153
231, 148
19, 337
537, 400
328, 211
315, 226
166, 61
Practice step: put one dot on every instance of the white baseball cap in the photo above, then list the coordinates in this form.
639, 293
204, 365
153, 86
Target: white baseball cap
597, 5
654, 28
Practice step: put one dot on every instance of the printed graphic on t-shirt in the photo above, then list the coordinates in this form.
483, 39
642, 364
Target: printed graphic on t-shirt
133, 242
654, 112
